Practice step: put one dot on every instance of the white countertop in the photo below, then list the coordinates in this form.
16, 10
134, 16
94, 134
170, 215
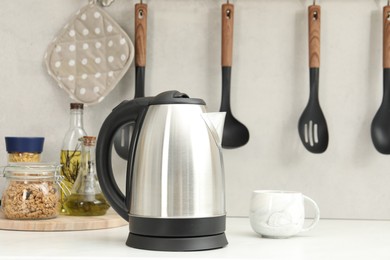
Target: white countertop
330, 240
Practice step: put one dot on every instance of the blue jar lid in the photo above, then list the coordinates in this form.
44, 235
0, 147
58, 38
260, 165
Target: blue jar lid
24, 144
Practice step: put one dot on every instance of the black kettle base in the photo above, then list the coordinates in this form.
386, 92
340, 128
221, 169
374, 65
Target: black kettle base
177, 243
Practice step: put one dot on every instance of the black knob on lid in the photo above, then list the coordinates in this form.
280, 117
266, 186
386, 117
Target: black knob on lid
175, 97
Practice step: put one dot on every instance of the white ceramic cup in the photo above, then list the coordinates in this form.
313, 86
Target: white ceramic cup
280, 214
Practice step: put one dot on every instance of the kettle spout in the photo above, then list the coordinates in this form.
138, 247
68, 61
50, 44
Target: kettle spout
215, 122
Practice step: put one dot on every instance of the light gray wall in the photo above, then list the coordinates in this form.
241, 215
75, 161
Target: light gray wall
269, 89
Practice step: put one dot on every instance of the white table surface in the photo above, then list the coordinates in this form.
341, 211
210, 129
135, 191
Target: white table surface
330, 240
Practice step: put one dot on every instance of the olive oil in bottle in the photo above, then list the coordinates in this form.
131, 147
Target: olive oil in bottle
79, 205
87, 198
70, 161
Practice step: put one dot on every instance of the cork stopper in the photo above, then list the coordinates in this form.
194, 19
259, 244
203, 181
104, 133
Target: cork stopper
76, 106
89, 140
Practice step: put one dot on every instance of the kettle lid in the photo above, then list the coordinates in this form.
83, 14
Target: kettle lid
175, 97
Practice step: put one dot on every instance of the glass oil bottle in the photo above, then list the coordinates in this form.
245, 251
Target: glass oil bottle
87, 198
71, 151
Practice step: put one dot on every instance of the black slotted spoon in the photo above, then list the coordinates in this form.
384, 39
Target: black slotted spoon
312, 126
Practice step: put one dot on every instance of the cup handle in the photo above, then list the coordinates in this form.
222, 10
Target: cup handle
317, 216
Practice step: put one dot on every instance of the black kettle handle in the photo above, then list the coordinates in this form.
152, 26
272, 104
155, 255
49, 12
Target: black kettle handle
127, 111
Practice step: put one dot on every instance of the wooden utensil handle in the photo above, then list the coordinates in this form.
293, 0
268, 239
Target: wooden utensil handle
314, 35
386, 37
141, 15
227, 34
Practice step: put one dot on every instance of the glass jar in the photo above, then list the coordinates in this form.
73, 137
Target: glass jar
32, 191
24, 149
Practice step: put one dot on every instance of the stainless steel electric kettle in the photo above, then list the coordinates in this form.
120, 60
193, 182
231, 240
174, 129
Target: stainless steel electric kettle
175, 195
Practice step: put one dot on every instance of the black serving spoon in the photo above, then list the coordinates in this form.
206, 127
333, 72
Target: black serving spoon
235, 134
312, 126
380, 127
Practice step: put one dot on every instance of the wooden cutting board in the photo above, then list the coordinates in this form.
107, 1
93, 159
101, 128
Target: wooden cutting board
64, 223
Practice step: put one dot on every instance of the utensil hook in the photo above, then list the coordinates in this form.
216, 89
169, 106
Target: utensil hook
141, 11
314, 2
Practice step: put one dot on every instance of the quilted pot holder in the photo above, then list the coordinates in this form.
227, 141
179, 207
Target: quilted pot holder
90, 55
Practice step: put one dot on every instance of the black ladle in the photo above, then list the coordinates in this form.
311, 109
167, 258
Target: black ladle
122, 137
380, 127
235, 134
312, 126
